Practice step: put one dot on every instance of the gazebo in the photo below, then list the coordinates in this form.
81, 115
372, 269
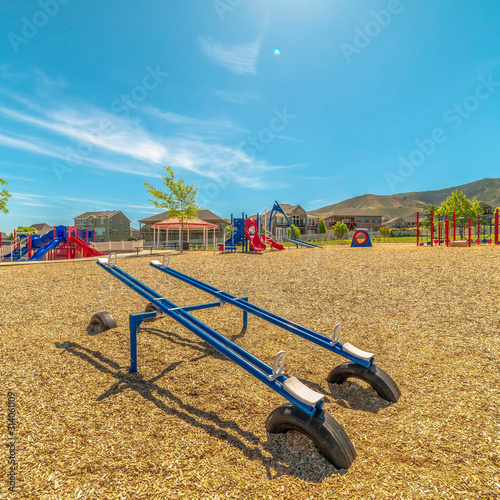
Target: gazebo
189, 225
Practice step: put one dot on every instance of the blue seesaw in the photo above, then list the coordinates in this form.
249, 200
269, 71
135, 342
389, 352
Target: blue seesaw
304, 411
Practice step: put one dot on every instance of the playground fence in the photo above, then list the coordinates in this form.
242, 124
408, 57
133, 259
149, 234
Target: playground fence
114, 246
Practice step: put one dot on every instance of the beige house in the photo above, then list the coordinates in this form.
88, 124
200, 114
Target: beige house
110, 225
307, 222
397, 222
354, 219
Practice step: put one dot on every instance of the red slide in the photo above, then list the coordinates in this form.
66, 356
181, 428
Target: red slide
253, 236
278, 246
87, 250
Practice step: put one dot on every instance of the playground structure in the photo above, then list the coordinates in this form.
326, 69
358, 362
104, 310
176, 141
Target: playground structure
304, 411
480, 229
361, 239
60, 243
245, 232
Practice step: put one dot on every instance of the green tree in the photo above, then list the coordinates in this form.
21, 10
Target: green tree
296, 232
385, 231
179, 199
27, 229
322, 227
340, 230
4, 197
426, 221
459, 203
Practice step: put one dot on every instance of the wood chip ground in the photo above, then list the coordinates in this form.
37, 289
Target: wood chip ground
191, 424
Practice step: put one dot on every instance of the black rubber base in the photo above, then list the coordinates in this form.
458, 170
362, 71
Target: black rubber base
150, 308
322, 428
375, 376
102, 321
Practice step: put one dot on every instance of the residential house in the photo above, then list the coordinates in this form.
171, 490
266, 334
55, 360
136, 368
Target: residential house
487, 208
412, 219
4, 238
296, 215
40, 228
135, 233
110, 225
354, 219
397, 222
146, 233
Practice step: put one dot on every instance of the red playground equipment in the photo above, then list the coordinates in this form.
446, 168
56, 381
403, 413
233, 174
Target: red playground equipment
483, 229
60, 243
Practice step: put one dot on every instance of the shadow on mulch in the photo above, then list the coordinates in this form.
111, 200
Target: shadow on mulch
247, 442
354, 396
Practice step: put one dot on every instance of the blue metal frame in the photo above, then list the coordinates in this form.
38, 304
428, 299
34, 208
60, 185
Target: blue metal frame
248, 307
235, 353
275, 210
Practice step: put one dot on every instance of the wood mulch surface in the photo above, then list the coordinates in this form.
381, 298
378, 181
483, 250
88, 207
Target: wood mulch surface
191, 424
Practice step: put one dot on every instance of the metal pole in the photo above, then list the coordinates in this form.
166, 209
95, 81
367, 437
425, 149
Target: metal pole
418, 229
454, 226
496, 227
432, 228
478, 229
447, 229
470, 231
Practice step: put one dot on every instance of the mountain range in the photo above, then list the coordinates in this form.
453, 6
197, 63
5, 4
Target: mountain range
405, 204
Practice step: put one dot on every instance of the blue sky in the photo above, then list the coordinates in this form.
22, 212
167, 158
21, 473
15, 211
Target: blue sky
364, 97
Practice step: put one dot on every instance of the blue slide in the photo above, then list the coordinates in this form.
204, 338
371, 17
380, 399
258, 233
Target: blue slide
303, 243
47, 248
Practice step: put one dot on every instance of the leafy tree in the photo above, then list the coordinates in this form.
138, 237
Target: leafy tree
459, 203
296, 232
385, 232
322, 227
179, 199
4, 197
426, 221
27, 229
340, 230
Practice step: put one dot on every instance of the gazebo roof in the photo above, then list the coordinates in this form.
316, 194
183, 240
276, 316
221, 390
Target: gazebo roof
175, 223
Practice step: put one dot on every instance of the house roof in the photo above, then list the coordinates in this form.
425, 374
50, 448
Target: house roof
202, 214
413, 217
175, 223
394, 219
99, 215
5, 236
40, 227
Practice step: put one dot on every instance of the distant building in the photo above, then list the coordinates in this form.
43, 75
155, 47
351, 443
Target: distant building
397, 223
412, 219
110, 225
146, 233
305, 221
135, 233
354, 219
487, 208
41, 229
5, 239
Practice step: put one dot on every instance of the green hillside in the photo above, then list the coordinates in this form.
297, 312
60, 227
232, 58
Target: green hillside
405, 204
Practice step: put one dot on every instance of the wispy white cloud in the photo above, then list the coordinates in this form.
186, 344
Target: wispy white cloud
114, 144
239, 59
210, 126
236, 97
43, 79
